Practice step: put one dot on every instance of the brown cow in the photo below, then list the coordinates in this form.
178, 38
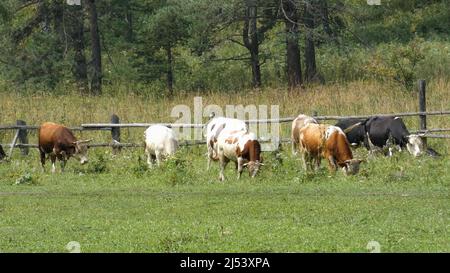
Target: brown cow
326, 141
59, 142
297, 124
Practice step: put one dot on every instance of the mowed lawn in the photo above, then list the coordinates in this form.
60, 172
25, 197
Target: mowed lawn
115, 204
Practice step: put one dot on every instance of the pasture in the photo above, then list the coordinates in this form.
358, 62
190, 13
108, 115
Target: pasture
117, 204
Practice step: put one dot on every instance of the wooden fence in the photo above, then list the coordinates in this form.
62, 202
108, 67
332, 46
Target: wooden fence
20, 139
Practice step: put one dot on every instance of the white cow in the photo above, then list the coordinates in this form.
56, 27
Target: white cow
241, 147
160, 142
215, 128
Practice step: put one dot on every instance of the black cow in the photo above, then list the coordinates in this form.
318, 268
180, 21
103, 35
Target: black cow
357, 135
381, 131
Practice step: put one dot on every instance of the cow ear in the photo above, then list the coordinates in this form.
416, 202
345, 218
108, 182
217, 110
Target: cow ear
245, 164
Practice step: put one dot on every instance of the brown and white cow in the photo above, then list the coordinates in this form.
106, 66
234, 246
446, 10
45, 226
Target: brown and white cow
59, 142
215, 128
298, 123
241, 147
319, 141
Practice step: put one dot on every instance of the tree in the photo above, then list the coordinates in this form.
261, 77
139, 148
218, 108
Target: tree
96, 79
76, 32
165, 29
293, 64
310, 51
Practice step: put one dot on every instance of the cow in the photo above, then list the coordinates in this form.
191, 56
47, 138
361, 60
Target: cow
214, 128
160, 143
381, 132
319, 141
299, 122
354, 130
59, 142
2, 153
241, 147
384, 130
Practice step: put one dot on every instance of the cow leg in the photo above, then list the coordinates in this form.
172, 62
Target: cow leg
62, 158
158, 157
53, 159
42, 155
294, 147
223, 163
304, 159
332, 165
149, 158
317, 160
210, 154
240, 167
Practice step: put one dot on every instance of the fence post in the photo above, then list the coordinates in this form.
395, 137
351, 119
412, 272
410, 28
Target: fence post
423, 108
23, 137
115, 133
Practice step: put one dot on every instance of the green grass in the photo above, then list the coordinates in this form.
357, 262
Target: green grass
116, 204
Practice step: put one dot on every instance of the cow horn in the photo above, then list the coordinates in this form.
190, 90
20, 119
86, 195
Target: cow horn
245, 164
348, 129
83, 141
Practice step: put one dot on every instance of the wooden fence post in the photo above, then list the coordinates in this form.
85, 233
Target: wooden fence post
13, 143
115, 133
423, 108
23, 137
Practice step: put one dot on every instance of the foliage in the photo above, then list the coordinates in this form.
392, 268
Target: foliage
398, 63
205, 38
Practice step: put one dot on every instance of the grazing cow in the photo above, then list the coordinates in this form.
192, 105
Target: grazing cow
215, 128
298, 123
59, 142
241, 147
382, 131
354, 130
2, 153
319, 141
160, 142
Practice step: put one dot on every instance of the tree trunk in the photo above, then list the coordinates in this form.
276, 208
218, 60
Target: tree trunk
310, 52
76, 30
325, 19
96, 80
58, 20
294, 69
169, 71
129, 19
250, 38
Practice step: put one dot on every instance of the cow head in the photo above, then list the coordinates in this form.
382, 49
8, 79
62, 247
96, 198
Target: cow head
253, 167
81, 150
415, 145
351, 166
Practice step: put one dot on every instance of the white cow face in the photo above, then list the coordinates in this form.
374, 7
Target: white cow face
81, 149
415, 145
253, 167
